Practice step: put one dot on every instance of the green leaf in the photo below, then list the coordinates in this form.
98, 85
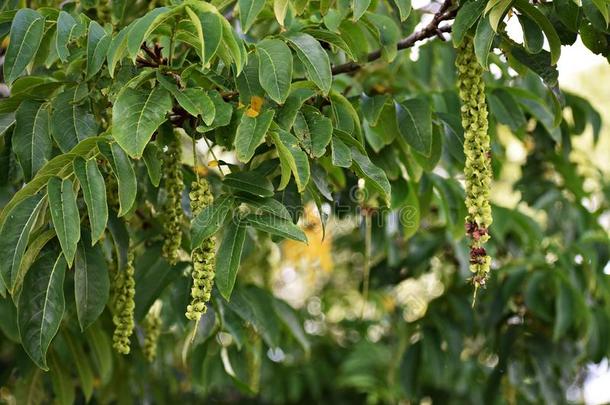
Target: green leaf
278, 226
7, 120
546, 26
415, 124
505, 109
353, 34
250, 133
388, 32
265, 205
467, 16
31, 138
280, 9
483, 39
229, 257
292, 322
94, 193
428, 163
142, 27
91, 283
255, 307
372, 107
292, 160
210, 219
209, 30
101, 350
123, 171
117, 48
153, 276
564, 310
249, 182
407, 205
333, 39
26, 34
194, 100
61, 380
36, 244
14, 236
66, 25
532, 34
404, 9
275, 68
497, 12
233, 49
153, 158
98, 42
288, 112
345, 116
248, 11
136, 114
341, 154
41, 305
384, 131
597, 13
604, 8
376, 177
314, 58
314, 130
65, 216
82, 363
359, 7
71, 119
59, 164
247, 82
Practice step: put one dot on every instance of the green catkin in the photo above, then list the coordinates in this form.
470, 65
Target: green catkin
172, 235
124, 288
152, 331
477, 170
203, 257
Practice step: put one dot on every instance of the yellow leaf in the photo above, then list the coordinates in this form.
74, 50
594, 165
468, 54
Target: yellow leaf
256, 103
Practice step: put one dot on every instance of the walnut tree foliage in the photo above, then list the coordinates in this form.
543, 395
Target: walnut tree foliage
153, 153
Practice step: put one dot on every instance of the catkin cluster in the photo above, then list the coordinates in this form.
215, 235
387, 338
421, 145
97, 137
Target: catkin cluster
203, 257
172, 235
152, 330
124, 287
477, 170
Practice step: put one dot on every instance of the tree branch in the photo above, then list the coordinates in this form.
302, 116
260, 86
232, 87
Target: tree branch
429, 31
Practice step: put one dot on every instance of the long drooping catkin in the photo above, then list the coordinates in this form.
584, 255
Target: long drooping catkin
172, 235
152, 331
124, 287
477, 170
203, 257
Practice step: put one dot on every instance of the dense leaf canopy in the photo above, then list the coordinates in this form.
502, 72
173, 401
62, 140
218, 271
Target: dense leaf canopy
308, 159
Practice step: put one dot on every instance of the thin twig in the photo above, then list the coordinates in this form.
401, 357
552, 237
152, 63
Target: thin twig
429, 31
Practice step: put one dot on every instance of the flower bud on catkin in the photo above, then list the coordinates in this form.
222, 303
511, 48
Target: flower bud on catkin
124, 289
172, 235
152, 330
203, 257
477, 170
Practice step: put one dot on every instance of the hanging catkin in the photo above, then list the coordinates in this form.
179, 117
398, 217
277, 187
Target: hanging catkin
124, 290
172, 235
477, 170
203, 257
152, 330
